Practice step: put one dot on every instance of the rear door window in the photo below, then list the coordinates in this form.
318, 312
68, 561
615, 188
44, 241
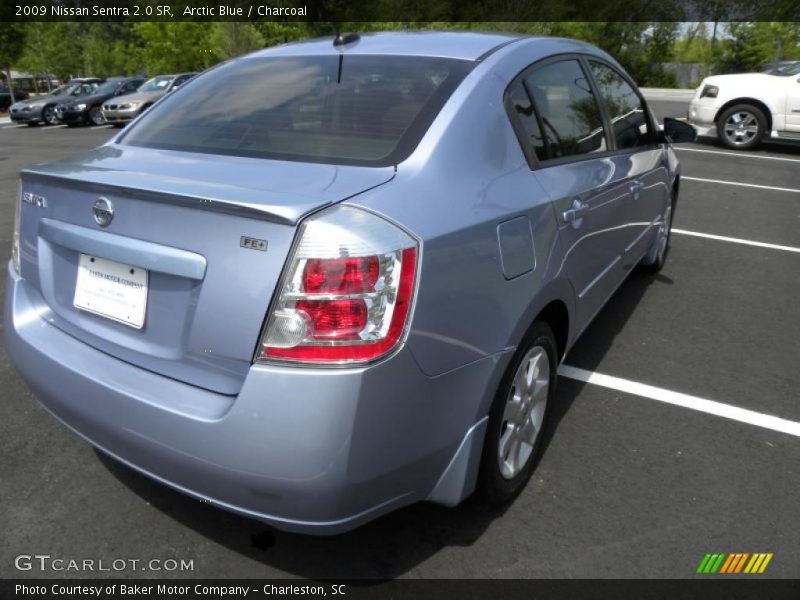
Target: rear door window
570, 117
367, 110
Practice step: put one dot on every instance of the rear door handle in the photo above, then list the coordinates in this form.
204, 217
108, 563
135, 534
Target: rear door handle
578, 210
635, 188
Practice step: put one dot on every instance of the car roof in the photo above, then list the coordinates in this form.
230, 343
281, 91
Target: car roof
466, 45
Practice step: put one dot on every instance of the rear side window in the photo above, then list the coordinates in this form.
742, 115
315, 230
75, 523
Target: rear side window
623, 107
131, 86
366, 110
568, 111
181, 80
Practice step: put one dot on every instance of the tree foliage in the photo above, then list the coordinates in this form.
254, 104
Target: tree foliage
749, 46
66, 49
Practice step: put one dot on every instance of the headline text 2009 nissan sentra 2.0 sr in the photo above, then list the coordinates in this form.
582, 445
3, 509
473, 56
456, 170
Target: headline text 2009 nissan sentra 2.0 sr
347, 286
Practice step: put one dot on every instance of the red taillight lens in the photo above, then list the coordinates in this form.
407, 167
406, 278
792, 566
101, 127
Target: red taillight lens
340, 275
334, 319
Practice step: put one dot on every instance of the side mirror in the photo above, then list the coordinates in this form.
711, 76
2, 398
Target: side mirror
678, 132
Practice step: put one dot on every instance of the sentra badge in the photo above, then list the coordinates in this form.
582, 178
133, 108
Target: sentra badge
35, 199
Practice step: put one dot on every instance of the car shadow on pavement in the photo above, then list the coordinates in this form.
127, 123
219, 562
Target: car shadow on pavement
787, 147
395, 543
382, 549
595, 342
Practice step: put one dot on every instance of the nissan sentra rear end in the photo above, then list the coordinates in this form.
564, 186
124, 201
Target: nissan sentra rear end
203, 299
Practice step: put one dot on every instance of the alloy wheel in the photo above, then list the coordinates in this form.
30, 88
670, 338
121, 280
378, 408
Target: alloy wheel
741, 127
96, 116
663, 234
524, 412
49, 115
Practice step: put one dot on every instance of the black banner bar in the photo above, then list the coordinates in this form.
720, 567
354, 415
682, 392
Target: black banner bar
401, 11
434, 589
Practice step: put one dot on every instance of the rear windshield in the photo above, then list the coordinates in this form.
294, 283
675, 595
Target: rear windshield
363, 110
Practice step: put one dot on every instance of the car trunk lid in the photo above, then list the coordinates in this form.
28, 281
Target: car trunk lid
212, 233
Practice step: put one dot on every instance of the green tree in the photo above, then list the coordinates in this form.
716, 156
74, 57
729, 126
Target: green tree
172, 47
106, 49
748, 46
53, 49
12, 43
229, 39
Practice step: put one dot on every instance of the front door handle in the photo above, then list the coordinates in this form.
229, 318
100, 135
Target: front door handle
576, 212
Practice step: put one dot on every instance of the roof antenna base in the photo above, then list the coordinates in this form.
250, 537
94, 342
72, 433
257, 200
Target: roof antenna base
347, 38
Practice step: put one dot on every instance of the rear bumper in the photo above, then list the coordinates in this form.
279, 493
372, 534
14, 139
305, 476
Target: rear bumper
309, 450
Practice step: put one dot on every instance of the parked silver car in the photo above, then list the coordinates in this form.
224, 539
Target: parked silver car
350, 289
42, 109
120, 110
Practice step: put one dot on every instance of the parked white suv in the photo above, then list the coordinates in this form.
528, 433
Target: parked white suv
746, 108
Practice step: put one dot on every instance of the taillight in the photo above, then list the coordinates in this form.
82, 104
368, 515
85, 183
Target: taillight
16, 234
347, 291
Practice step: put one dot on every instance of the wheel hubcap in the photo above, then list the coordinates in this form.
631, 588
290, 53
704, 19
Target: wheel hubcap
741, 127
524, 412
663, 238
97, 116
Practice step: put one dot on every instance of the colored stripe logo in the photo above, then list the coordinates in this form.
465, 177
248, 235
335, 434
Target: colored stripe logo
734, 562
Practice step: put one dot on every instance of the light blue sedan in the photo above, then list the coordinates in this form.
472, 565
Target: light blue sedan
330, 279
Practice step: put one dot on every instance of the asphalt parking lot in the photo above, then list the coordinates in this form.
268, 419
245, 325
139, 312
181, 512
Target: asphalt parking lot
652, 461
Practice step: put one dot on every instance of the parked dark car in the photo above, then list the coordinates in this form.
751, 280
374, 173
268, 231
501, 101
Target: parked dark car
783, 67
42, 109
89, 109
5, 96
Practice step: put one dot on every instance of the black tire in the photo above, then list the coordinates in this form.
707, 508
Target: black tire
656, 257
753, 130
95, 116
494, 487
49, 115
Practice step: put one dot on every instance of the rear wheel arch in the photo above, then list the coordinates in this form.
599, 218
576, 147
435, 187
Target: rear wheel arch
759, 104
556, 315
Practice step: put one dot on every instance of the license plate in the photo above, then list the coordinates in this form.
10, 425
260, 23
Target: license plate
112, 290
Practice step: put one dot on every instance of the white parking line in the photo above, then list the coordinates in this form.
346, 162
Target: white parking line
14, 126
723, 238
749, 185
54, 127
703, 405
739, 154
